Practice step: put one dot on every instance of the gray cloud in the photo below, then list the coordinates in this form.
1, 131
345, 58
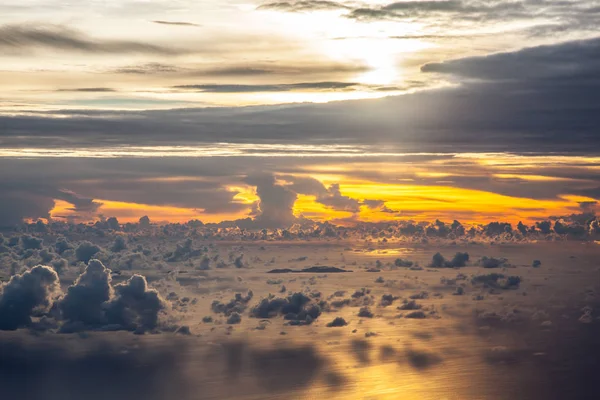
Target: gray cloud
50, 37
176, 23
284, 87
462, 10
330, 197
243, 70
551, 93
89, 90
303, 5
567, 63
84, 300
566, 16
93, 303
275, 209
556, 107
146, 68
135, 307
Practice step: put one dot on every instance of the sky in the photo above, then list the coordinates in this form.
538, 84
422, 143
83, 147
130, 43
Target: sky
343, 111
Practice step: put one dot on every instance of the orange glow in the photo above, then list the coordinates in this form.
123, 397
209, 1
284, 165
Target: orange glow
427, 203
131, 212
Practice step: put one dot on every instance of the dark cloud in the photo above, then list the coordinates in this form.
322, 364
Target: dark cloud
17, 38
92, 369
284, 87
15, 206
571, 63
176, 23
26, 295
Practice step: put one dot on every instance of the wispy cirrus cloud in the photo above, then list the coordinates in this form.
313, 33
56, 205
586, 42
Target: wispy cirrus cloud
284, 87
52, 37
303, 5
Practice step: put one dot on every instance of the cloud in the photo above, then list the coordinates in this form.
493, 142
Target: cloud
50, 37
176, 23
299, 68
275, 208
94, 369
27, 294
93, 303
460, 10
89, 90
284, 87
571, 63
16, 206
554, 102
330, 197
135, 306
84, 300
303, 5
146, 68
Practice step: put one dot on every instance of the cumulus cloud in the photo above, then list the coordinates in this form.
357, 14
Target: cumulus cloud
93, 303
297, 308
28, 294
84, 300
134, 307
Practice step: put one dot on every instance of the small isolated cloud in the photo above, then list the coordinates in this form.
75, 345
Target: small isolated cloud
175, 23
89, 90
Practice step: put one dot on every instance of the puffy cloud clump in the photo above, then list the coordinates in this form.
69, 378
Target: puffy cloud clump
495, 280
134, 307
62, 245
85, 251
236, 305
337, 322
297, 308
85, 299
30, 242
119, 244
92, 302
459, 260
29, 294
492, 262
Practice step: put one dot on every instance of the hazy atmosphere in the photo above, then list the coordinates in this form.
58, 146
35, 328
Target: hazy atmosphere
299, 199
